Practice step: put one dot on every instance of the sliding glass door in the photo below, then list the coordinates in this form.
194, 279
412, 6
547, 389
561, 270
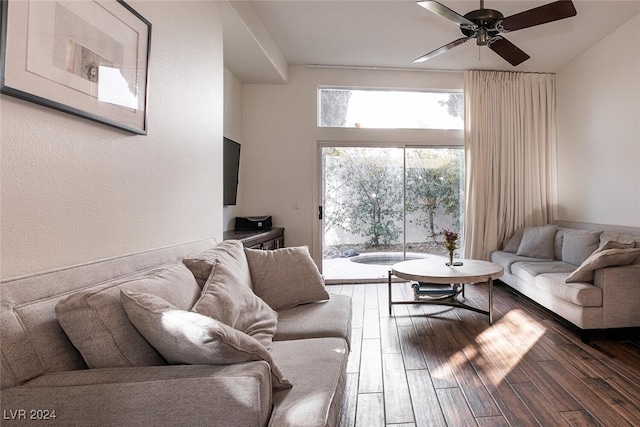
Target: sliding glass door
382, 205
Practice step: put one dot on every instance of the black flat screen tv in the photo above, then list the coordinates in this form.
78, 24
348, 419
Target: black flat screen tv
230, 168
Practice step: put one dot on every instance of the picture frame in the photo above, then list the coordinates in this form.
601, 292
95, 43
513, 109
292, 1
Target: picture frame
86, 58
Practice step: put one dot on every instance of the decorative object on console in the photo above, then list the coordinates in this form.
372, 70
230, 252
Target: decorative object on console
253, 222
87, 59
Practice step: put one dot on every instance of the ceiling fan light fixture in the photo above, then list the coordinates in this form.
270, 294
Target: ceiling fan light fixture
483, 37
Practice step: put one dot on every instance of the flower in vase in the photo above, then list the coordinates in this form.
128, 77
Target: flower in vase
450, 240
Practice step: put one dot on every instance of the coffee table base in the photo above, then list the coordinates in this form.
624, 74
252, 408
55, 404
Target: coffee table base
450, 301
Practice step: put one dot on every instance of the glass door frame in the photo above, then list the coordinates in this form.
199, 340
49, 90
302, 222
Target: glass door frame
318, 228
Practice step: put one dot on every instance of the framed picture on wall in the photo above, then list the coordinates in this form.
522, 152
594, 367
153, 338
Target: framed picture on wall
87, 58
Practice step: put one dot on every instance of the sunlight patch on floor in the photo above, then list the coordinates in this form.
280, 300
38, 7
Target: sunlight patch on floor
505, 343
519, 340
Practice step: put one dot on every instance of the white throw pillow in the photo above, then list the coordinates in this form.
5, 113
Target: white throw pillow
184, 337
286, 277
600, 259
227, 298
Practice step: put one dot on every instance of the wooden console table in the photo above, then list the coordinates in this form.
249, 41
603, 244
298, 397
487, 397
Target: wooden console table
258, 239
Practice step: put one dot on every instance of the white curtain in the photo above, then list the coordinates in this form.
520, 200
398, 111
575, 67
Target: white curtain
510, 147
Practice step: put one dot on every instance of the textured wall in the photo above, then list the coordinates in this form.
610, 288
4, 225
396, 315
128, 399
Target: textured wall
599, 132
75, 191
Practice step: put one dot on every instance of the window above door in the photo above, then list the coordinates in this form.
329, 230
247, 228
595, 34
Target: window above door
389, 109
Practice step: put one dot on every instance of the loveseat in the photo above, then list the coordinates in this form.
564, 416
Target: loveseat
588, 274
194, 334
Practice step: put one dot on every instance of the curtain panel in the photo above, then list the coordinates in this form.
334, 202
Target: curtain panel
511, 160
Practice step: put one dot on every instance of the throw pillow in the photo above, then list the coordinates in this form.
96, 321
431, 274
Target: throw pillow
538, 242
513, 243
230, 252
286, 277
600, 259
578, 245
191, 338
227, 298
612, 244
97, 325
625, 239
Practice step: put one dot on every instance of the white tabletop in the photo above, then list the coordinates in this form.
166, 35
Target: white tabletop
435, 270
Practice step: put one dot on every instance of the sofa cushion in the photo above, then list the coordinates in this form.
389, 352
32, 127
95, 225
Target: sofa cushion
230, 252
321, 319
317, 368
507, 259
184, 337
538, 242
286, 277
97, 325
579, 244
529, 270
582, 294
603, 258
227, 298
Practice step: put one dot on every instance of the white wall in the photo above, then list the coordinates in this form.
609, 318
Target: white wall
232, 130
74, 190
280, 141
598, 97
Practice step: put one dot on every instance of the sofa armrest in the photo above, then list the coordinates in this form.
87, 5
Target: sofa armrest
620, 295
238, 394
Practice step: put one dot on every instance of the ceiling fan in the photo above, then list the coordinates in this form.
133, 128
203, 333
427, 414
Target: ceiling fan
486, 25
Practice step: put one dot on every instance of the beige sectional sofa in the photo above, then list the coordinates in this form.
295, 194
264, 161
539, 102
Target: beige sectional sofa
588, 274
194, 334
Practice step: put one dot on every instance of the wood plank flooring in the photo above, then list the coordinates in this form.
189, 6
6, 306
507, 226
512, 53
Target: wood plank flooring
442, 366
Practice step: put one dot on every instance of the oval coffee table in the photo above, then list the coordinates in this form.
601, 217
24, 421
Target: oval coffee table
434, 271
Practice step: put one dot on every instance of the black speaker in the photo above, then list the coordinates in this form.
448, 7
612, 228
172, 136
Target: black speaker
253, 222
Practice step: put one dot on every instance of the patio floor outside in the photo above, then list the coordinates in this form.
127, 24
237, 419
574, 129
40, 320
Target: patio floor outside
374, 266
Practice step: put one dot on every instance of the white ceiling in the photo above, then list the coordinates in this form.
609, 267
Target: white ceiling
392, 33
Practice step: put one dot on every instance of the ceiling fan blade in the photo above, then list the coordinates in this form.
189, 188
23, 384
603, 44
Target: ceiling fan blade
445, 12
508, 51
442, 49
539, 15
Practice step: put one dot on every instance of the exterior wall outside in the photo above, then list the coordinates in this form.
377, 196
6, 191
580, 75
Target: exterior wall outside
599, 132
74, 191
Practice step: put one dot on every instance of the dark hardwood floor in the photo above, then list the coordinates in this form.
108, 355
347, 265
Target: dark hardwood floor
442, 366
